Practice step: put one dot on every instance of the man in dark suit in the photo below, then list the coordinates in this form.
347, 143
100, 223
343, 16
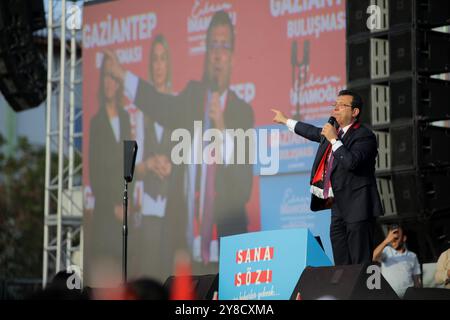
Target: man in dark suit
212, 102
343, 178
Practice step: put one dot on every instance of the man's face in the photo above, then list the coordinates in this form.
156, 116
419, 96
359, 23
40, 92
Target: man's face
343, 111
159, 65
220, 57
399, 240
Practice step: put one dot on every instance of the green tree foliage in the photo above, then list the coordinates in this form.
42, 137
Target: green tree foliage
21, 210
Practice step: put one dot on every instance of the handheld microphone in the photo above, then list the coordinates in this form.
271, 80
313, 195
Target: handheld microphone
214, 85
332, 121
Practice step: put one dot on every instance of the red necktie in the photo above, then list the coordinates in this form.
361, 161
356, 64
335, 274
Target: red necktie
329, 166
208, 204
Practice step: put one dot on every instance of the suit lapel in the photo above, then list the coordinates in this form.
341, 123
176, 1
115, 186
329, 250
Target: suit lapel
346, 140
228, 110
203, 102
319, 155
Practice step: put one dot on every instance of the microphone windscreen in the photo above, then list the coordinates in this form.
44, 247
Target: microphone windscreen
332, 120
214, 85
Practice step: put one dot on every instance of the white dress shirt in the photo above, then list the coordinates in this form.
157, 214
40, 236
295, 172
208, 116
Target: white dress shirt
291, 123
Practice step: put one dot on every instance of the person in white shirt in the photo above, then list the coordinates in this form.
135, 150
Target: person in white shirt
399, 266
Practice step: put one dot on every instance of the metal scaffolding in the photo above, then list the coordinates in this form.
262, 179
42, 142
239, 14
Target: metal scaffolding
63, 206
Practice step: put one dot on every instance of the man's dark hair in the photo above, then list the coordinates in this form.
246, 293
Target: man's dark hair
394, 226
220, 18
357, 101
57, 289
147, 289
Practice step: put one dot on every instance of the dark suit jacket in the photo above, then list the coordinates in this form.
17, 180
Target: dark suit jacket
234, 181
106, 178
162, 237
353, 173
153, 185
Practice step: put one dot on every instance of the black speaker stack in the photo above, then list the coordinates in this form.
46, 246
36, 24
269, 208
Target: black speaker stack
350, 282
23, 71
396, 60
203, 286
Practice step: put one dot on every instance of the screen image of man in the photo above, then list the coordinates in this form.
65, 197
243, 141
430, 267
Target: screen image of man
216, 194
343, 177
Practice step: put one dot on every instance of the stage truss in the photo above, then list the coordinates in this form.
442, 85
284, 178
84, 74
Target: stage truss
63, 207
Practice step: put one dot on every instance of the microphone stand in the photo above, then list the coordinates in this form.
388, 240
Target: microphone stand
125, 233
303, 68
130, 148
